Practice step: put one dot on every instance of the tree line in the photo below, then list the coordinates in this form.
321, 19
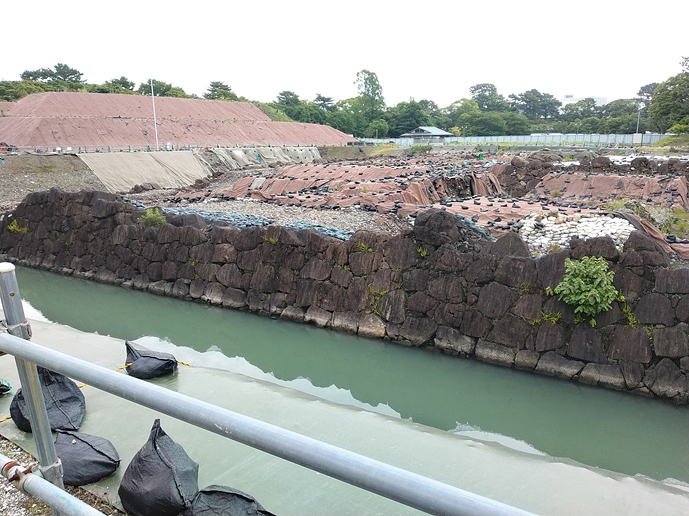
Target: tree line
660, 107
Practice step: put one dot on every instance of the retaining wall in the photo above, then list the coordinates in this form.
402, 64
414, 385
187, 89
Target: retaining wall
441, 286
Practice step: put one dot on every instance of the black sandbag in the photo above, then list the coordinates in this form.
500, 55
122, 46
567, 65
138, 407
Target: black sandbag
85, 458
225, 501
161, 479
64, 402
146, 364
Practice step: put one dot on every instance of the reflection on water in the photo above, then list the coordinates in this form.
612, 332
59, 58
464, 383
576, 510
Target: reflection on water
611, 430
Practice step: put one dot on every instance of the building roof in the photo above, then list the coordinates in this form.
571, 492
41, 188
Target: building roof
71, 119
426, 130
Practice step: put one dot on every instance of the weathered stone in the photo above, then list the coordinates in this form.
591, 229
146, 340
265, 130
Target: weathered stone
318, 316
316, 269
229, 275
214, 293
248, 239
666, 380
449, 259
370, 325
415, 279
526, 359
345, 321
512, 331
586, 345
436, 227
549, 337
651, 252
655, 308
452, 341
234, 298
391, 306
421, 302
672, 281
671, 342
380, 280
263, 279
450, 314
400, 252
682, 309
475, 324
418, 330
340, 276
277, 302
529, 307
630, 344
180, 288
510, 244
480, 272
362, 264
161, 288
197, 288
606, 375
357, 296
292, 313
494, 300
517, 271
495, 353
224, 253
551, 268
446, 288
553, 364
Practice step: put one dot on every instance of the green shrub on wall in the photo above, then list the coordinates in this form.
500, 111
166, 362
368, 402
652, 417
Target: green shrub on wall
587, 286
152, 218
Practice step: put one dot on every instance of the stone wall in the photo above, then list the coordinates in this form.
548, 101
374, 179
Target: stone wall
440, 286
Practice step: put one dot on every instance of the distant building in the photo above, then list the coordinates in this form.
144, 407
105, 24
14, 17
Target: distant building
427, 134
571, 99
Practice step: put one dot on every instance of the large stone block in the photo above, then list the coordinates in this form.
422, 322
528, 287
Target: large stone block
512, 331
605, 375
453, 341
370, 325
391, 306
517, 271
495, 353
655, 308
671, 342
494, 300
586, 344
318, 316
475, 324
400, 252
345, 321
667, 381
234, 298
549, 337
631, 344
672, 281
316, 269
418, 330
553, 364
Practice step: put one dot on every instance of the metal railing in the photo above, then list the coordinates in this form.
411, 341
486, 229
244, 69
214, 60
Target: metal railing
389, 481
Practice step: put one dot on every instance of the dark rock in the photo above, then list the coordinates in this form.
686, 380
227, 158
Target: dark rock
529, 307
418, 330
586, 344
630, 344
512, 331
510, 244
517, 271
549, 337
234, 298
552, 364
370, 325
671, 342
655, 308
475, 324
667, 381
526, 359
495, 353
494, 300
316, 269
345, 321
452, 341
606, 375
672, 281
318, 316
551, 268
652, 253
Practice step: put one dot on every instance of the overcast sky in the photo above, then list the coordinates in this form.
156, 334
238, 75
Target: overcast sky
433, 50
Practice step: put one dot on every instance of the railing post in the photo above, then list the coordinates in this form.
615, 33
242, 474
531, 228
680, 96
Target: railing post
17, 325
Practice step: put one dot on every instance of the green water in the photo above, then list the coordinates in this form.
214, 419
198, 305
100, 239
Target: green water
597, 427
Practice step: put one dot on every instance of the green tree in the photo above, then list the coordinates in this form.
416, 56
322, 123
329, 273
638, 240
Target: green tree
377, 129
516, 123
487, 97
341, 120
482, 124
11, 91
122, 82
458, 108
325, 103
406, 116
584, 108
220, 91
619, 108
354, 107
160, 88
308, 113
534, 104
645, 94
371, 94
67, 74
671, 102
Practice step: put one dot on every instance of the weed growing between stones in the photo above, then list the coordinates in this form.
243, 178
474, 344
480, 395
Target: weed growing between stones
152, 218
14, 227
587, 286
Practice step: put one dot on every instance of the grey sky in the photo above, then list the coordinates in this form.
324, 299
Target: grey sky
422, 50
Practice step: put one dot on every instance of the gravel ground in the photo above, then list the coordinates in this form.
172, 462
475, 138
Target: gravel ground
15, 503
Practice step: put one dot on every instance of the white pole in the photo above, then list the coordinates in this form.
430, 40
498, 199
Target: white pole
155, 124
